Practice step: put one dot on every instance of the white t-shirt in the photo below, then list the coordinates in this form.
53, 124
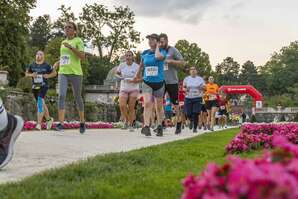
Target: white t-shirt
128, 73
194, 86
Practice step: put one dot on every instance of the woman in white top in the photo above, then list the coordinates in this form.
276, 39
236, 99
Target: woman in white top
194, 86
128, 91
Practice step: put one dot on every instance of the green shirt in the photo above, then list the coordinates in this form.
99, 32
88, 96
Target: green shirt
70, 64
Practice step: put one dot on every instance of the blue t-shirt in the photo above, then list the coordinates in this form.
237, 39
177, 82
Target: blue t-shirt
40, 69
153, 68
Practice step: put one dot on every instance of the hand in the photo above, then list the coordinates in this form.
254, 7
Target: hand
34, 75
134, 80
67, 45
46, 76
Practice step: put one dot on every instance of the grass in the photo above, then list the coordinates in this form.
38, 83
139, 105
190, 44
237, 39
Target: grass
154, 172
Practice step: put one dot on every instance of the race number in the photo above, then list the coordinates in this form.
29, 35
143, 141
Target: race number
151, 71
64, 60
222, 107
38, 79
193, 92
166, 66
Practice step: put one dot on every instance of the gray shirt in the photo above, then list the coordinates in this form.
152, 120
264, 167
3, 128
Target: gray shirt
170, 70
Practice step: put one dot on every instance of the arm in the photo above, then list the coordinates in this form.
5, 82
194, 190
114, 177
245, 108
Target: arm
138, 78
158, 55
177, 59
79, 54
51, 75
28, 73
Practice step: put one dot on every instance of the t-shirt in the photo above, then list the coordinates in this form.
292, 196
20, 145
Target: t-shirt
128, 73
40, 69
70, 64
153, 68
212, 91
195, 86
171, 70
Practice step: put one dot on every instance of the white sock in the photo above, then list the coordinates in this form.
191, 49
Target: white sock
3, 117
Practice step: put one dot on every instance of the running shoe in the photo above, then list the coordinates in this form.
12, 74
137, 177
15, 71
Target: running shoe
159, 132
38, 127
59, 127
178, 128
190, 125
82, 128
146, 131
195, 130
49, 123
125, 126
8, 138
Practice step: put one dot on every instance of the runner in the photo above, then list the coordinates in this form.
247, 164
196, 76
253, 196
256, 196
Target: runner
152, 65
70, 71
204, 114
128, 91
223, 114
181, 97
212, 92
40, 71
10, 129
173, 62
194, 86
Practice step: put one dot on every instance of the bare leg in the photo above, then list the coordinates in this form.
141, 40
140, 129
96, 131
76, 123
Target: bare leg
131, 108
147, 108
123, 108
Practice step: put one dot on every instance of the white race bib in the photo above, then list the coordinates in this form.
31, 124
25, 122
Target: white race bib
38, 79
166, 66
193, 92
64, 60
222, 107
151, 71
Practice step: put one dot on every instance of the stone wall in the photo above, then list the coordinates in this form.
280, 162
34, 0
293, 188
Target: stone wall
24, 104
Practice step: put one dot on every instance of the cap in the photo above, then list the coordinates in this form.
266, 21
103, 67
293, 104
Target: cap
154, 36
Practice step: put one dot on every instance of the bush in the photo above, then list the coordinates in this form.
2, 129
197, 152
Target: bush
253, 119
91, 110
25, 84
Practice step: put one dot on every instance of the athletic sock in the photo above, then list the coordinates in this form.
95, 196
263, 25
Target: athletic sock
3, 117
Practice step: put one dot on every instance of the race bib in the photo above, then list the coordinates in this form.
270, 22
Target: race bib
38, 79
166, 66
212, 97
151, 71
222, 107
193, 92
64, 60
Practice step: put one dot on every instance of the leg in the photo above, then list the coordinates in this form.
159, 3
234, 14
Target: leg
159, 110
213, 111
76, 82
123, 107
147, 108
131, 108
63, 84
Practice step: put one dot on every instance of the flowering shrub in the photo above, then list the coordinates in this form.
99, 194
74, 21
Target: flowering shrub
30, 125
273, 176
253, 136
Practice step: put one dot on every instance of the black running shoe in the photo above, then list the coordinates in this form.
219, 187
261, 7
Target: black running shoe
178, 128
191, 125
82, 128
146, 131
59, 127
195, 131
159, 132
8, 137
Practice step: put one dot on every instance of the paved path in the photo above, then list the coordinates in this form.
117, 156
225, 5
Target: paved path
39, 151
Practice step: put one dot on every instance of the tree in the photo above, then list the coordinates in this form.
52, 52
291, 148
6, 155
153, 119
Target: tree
52, 50
40, 32
194, 56
249, 74
227, 72
14, 23
110, 31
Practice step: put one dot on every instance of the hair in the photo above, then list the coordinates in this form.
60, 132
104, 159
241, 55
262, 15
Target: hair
163, 35
129, 51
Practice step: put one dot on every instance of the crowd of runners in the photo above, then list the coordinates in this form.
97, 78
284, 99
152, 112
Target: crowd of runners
165, 99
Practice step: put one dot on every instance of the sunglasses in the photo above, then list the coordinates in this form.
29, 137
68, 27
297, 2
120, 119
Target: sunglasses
69, 27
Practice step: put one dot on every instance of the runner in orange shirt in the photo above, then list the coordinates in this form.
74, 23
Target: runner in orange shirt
211, 105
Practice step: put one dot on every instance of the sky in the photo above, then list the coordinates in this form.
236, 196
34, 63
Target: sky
245, 30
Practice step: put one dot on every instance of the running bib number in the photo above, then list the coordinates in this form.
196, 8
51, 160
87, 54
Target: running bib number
193, 92
64, 60
151, 71
38, 79
222, 107
166, 66
212, 97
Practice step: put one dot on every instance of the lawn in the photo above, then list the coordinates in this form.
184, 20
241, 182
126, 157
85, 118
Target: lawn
154, 172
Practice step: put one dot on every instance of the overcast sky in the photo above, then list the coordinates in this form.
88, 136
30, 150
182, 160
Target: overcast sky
243, 29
